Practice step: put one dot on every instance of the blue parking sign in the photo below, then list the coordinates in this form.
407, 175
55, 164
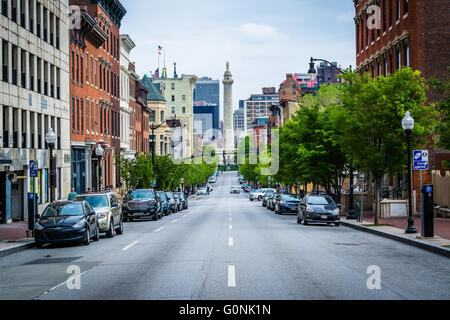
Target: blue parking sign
33, 168
420, 160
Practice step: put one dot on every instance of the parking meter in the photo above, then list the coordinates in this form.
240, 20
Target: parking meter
427, 211
32, 210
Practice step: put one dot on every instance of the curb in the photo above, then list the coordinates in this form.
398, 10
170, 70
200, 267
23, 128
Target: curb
20, 247
416, 243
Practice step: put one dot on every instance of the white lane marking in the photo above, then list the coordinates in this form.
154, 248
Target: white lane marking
231, 276
184, 216
159, 229
230, 241
174, 221
130, 245
230, 219
230, 227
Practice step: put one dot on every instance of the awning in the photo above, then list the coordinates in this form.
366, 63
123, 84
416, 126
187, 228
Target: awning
4, 159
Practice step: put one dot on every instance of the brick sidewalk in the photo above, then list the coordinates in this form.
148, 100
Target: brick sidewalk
13, 231
441, 226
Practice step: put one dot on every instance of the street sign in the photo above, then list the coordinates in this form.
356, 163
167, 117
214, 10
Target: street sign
182, 180
420, 160
33, 169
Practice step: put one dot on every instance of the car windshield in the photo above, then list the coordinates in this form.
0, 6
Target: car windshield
320, 200
63, 210
142, 194
162, 195
169, 195
290, 197
94, 201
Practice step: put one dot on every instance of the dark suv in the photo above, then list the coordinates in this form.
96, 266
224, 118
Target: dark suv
142, 203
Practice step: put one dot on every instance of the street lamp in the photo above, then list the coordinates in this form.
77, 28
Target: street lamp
408, 125
99, 153
312, 70
50, 138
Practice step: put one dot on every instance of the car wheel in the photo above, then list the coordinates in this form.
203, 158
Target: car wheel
87, 237
110, 232
120, 230
299, 221
259, 198
39, 245
97, 233
337, 224
125, 219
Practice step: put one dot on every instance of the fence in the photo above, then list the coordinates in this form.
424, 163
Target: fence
441, 188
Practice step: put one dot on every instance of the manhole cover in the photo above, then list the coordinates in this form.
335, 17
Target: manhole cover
52, 260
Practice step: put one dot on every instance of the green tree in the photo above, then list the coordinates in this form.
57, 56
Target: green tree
370, 120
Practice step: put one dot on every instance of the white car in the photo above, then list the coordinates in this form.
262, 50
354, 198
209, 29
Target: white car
260, 193
202, 191
212, 180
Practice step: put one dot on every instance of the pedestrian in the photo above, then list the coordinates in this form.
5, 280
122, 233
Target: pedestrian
72, 195
89, 191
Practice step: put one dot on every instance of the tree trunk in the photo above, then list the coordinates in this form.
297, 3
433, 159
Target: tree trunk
377, 200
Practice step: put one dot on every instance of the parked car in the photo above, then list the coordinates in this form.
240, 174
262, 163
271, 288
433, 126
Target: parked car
248, 188
319, 209
235, 190
213, 179
202, 191
266, 198
66, 221
108, 210
165, 205
172, 202
184, 201
142, 203
178, 201
271, 201
287, 203
259, 194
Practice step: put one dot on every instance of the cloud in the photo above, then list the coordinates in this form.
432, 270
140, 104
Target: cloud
259, 32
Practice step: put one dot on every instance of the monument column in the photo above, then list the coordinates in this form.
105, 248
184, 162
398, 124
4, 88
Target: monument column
228, 145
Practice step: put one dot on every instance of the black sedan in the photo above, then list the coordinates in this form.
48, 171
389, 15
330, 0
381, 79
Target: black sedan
287, 203
66, 221
319, 209
142, 203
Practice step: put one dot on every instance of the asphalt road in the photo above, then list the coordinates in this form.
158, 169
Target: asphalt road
226, 247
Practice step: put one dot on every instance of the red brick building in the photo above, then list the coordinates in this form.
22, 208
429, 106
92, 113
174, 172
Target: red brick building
94, 90
411, 33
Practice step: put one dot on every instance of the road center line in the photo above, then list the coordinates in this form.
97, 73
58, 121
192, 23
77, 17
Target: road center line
159, 229
130, 245
230, 241
231, 276
174, 221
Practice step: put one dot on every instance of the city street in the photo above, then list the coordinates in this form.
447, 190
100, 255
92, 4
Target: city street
227, 247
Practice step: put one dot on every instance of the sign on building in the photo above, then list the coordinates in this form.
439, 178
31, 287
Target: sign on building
420, 161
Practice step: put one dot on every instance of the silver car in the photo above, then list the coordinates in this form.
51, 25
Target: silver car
108, 210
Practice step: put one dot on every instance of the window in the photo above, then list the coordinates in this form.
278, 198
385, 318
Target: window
184, 109
78, 115
87, 68
385, 67
95, 68
81, 70
384, 15
73, 114
390, 13
100, 71
184, 97
173, 109
92, 116
173, 98
92, 73
82, 115
78, 68
173, 86
398, 10
73, 65
405, 6
87, 115
162, 116
406, 50
399, 59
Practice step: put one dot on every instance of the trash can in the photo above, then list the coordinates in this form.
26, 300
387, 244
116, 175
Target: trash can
427, 211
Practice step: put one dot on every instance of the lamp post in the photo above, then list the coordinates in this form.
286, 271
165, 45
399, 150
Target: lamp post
99, 153
312, 74
408, 125
50, 138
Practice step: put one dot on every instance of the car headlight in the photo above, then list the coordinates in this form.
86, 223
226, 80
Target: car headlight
336, 212
102, 216
282, 202
309, 209
38, 227
79, 225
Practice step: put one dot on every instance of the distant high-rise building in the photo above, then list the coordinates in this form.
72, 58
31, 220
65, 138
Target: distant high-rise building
257, 106
327, 73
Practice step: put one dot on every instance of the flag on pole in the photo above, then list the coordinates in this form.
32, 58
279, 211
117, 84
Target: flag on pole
159, 50
157, 73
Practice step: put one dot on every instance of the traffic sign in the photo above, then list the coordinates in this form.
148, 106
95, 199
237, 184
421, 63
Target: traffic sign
420, 161
33, 169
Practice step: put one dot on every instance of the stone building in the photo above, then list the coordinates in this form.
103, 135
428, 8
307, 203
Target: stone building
34, 97
257, 106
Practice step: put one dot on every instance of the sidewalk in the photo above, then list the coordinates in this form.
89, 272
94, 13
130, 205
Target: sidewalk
441, 226
13, 238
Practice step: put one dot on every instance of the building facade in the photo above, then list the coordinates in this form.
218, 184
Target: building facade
126, 45
158, 115
238, 123
140, 114
257, 106
327, 73
179, 94
34, 97
410, 33
95, 102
